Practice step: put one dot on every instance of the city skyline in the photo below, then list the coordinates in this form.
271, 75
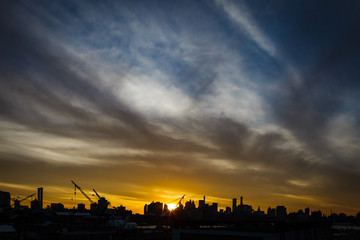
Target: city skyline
151, 100
79, 198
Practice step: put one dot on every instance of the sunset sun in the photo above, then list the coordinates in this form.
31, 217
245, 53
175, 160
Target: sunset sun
171, 206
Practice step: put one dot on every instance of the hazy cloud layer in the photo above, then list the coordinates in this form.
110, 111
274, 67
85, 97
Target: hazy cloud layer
149, 98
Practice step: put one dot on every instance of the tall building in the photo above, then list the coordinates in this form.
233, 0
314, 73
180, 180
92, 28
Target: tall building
244, 208
145, 209
201, 204
40, 197
234, 205
4, 199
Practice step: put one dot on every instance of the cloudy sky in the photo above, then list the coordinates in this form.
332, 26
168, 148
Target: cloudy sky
151, 100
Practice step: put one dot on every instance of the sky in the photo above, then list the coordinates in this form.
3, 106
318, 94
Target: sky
150, 100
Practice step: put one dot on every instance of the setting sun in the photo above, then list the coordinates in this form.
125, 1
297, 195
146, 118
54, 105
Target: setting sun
171, 206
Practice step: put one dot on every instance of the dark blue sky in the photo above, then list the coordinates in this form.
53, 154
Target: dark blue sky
221, 98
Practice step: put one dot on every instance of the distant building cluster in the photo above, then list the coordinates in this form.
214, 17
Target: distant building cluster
204, 210
207, 210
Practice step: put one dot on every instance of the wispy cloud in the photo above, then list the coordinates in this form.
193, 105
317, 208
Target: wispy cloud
241, 16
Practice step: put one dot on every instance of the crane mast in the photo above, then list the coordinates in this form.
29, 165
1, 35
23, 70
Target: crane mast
76, 186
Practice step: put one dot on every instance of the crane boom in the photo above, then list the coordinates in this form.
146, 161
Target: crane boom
96, 194
180, 200
27, 197
76, 186
17, 201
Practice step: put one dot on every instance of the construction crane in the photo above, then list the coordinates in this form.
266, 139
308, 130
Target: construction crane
180, 201
97, 194
17, 201
77, 187
102, 199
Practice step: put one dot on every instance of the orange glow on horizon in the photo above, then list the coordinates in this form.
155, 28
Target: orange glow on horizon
65, 195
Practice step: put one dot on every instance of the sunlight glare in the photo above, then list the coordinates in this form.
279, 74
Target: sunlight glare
171, 206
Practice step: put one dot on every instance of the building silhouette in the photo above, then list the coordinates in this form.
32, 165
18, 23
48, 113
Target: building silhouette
243, 208
40, 197
81, 207
281, 211
154, 208
234, 205
202, 203
271, 212
4, 199
190, 205
57, 207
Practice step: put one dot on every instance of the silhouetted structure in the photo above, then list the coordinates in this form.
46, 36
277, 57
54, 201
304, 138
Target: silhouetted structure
190, 205
316, 215
17, 201
214, 207
166, 210
234, 204
81, 207
40, 197
202, 203
4, 199
102, 204
243, 208
34, 204
228, 209
57, 207
259, 212
358, 218
307, 211
154, 208
281, 211
271, 212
